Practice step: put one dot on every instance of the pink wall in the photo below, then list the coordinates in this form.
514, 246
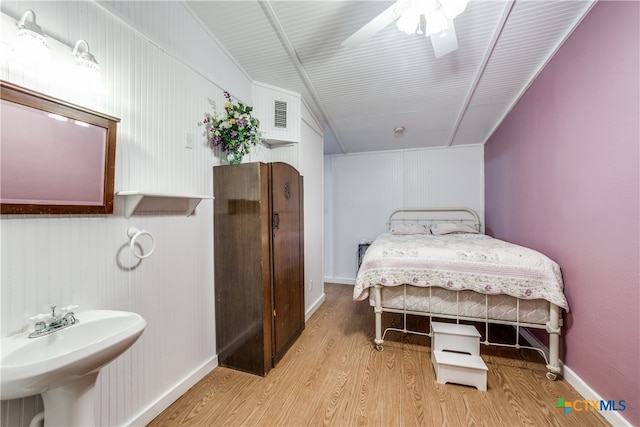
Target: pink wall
562, 177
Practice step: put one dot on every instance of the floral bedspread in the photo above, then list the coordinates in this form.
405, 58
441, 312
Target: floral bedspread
460, 261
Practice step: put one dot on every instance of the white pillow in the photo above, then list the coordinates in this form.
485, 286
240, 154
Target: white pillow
410, 229
451, 227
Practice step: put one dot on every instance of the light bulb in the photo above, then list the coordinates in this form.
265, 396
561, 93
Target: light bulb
453, 8
436, 22
409, 22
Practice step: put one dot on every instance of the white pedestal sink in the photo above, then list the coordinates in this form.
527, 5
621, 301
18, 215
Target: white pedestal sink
64, 365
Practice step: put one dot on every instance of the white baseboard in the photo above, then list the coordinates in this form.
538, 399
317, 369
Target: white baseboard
340, 280
614, 417
180, 388
314, 307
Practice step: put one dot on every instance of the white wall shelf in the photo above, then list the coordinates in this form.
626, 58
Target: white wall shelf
145, 202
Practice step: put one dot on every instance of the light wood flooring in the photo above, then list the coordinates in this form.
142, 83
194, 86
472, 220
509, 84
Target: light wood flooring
334, 376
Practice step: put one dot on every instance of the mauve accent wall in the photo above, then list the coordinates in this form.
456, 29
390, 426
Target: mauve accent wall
561, 176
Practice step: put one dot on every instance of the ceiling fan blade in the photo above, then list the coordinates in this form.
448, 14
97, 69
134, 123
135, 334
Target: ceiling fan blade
372, 27
444, 44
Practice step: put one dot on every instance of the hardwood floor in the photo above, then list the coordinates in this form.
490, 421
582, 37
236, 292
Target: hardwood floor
334, 376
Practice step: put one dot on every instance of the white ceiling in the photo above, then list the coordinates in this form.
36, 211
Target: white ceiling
360, 95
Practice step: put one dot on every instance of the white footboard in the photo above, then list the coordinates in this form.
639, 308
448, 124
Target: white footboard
552, 327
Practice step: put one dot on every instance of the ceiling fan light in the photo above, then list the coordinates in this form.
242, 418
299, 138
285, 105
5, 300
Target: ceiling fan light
453, 8
409, 22
436, 22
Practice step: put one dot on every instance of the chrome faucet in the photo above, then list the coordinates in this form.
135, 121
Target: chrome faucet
57, 321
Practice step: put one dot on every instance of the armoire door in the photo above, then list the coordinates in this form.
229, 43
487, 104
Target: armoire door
242, 251
288, 256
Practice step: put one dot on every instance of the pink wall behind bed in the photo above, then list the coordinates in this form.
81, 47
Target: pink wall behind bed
562, 177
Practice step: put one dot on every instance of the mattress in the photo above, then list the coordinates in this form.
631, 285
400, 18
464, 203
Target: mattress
460, 262
466, 304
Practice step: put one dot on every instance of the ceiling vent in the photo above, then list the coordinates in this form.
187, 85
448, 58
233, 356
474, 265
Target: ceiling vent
280, 114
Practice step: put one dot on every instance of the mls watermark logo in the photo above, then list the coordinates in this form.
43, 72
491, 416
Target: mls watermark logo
581, 405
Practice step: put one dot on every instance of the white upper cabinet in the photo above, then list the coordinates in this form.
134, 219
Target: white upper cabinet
279, 112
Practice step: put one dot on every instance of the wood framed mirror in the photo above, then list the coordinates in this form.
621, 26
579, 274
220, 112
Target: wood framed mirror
55, 157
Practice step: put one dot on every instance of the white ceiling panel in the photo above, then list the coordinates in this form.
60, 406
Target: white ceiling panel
359, 95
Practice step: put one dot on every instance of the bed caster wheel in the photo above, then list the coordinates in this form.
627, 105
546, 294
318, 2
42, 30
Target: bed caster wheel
551, 376
379, 347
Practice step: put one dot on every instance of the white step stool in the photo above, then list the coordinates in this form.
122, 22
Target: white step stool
455, 354
460, 369
453, 337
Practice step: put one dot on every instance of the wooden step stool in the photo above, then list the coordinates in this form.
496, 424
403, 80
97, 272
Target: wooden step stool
455, 354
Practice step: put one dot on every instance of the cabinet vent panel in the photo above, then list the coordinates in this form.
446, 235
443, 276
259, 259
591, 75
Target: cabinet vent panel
280, 114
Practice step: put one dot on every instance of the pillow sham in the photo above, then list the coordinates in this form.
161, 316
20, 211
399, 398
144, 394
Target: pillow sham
410, 229
451, 227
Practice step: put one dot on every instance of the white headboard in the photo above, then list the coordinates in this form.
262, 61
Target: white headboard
429, 216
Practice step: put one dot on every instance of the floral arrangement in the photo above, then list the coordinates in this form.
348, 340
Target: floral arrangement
235, 129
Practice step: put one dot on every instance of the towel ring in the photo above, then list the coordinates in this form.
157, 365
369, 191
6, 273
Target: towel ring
133, 234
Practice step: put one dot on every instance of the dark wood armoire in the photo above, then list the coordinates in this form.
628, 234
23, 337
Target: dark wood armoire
259, 263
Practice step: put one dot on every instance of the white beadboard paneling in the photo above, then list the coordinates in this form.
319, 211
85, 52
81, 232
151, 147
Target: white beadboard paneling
365, 189
445, 177
287, 154
177, 31
159, 90
362, 93
83, 259
311, 168
329, 218
362, 190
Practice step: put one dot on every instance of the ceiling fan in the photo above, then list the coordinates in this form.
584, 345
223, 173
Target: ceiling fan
433, 18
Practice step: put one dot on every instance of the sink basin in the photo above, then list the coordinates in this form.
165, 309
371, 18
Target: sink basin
67, 360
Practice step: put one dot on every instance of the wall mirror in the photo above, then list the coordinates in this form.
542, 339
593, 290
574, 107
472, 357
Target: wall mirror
55, 157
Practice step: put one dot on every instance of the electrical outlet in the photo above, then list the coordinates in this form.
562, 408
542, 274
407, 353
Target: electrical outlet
188, 140
310, 285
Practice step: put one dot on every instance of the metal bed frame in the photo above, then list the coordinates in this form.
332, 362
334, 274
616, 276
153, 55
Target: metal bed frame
552, 326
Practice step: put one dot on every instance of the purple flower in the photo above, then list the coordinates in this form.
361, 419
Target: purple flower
226, 95
234, 134
240, 123
528, 292
487, 288
217, 140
